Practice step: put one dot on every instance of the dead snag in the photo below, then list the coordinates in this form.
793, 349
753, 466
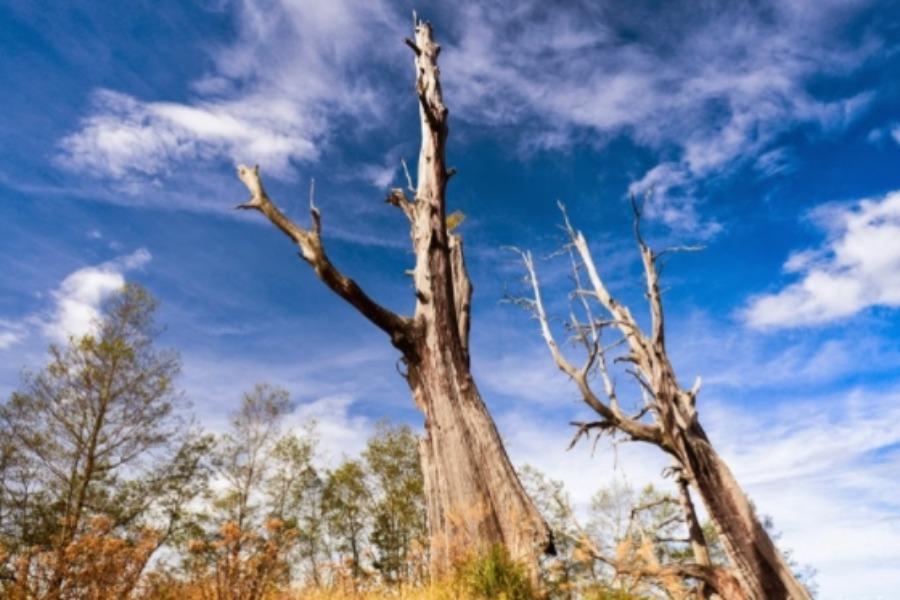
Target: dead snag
474, 497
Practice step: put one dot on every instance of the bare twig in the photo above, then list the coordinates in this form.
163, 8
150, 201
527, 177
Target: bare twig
609, 412
409, 181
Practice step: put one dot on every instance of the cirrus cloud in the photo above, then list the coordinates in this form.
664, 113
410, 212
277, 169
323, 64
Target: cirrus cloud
707, 88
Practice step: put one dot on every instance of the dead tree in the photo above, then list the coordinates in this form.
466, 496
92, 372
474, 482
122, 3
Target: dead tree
667, 419
474, 497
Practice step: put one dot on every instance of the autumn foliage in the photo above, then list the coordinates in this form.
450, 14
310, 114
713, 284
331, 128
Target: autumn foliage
96, 565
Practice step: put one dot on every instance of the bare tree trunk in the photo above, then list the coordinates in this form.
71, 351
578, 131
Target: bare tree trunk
474, 497
721, 582
757, 563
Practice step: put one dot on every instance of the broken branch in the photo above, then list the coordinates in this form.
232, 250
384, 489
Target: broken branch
313, 252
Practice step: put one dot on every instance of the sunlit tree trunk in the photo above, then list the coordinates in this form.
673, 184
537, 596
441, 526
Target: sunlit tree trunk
474, 497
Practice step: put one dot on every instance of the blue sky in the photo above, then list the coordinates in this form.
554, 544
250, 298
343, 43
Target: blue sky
770, 132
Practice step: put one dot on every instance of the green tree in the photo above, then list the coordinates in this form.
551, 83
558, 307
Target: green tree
313, 527
96, 434
293, 493
398, 511
242, 454
565, 572
346, 503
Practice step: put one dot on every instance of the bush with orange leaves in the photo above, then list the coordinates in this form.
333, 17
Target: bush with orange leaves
241, 564
96, 565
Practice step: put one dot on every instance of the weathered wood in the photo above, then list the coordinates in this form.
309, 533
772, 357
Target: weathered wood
475, 498
757, 563
473, 495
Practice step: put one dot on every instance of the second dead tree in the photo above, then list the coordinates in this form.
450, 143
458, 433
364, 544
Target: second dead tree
668, 420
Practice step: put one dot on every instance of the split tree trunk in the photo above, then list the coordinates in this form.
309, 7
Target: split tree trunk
474, 497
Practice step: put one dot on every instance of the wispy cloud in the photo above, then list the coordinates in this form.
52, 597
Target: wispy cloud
857, 267
709, 89
535, 440
126, 139
528, 376
79, 296
659, 185
340, 433
738, 360
268, 99
319, 387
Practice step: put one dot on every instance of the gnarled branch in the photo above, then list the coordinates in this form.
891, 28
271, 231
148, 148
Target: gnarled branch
312, 251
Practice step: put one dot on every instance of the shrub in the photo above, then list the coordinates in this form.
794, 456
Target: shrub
494, 575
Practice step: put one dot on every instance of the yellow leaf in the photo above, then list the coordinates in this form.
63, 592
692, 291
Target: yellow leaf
455, 219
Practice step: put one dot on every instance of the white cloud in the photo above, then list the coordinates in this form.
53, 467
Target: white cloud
76, 301
742, 360
125, 138
858, 267
535, 440
706, 90
380, 176
339, 433
526, 375
80, 295
267, 101
318, 385
657, 186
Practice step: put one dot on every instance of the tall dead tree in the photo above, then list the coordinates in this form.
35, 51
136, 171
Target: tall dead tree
667, 419
474, 497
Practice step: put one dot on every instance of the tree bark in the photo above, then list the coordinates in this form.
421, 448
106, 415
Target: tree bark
757, 563
699, 547
473, 495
